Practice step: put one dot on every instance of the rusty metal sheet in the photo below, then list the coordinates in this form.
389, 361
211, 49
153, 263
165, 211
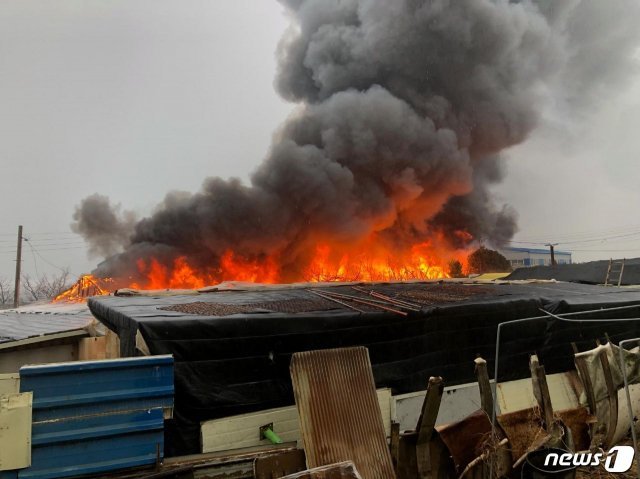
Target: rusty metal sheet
339, 414
341, 470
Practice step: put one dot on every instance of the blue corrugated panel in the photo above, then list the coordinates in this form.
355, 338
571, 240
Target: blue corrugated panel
96, 416
96, 387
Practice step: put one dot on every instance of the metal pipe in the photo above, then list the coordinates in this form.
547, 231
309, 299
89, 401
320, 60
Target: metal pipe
388, 299
366, 302
329, 298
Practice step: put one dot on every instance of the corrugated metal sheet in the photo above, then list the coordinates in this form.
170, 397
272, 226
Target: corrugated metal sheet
97, 416
339, 414
42, 320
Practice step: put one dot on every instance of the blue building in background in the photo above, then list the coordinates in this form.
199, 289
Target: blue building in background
526, 257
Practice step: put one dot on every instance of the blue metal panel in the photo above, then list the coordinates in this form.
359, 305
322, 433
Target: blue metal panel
98, 387
99, 443
96, 416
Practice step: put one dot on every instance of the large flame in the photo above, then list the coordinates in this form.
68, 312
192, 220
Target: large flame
368, 261
87, 285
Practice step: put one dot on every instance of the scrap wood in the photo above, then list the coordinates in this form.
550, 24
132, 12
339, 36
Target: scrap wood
486, 395
426, 423
541, 391
407, 467
394, 444
481, 458
271, 466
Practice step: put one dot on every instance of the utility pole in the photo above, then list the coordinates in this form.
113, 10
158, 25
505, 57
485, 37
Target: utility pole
16, 289
553, 257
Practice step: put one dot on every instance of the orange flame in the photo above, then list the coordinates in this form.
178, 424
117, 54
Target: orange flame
372, 263
367, 261
87, 285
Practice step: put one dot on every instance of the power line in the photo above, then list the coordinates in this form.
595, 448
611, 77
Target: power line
48, 249
47, 261
35, 262
55, 243
59, 233
585, 234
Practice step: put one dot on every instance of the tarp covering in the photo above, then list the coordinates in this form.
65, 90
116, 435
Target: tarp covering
593, 272
239, 363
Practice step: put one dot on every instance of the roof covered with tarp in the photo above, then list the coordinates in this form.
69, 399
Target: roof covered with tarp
593, 272
233, 347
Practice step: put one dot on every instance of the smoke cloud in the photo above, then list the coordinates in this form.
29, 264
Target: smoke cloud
404, 108
104, 226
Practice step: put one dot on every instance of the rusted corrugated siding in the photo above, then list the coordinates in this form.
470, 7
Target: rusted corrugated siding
339, 413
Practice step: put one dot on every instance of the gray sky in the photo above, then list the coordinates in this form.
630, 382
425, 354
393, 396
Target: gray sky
132, 99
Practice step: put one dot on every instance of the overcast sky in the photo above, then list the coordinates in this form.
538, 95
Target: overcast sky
132, 99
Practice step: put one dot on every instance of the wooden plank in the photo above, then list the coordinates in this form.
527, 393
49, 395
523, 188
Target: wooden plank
426, 424
271, 466
236, 432
112, 349
541, 391
486, 395
15, 431
93, 348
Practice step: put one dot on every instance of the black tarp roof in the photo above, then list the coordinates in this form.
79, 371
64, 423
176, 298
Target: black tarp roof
593, 272
233, 364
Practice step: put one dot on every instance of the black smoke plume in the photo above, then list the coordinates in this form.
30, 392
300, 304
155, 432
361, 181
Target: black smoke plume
404, 108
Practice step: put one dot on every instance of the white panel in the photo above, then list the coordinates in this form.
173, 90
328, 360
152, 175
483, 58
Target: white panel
518, 395
236, 432
457, 403
460, 401
15, 431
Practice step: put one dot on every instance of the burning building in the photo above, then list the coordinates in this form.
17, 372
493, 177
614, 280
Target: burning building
384, 170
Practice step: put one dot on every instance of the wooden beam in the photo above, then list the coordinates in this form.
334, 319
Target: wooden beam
486, 395
426, 423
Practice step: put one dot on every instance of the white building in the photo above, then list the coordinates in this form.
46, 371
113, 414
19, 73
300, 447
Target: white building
525, 257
